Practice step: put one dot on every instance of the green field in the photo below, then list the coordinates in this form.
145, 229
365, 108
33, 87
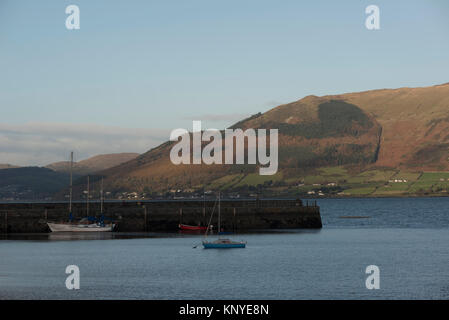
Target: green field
254, 179
225, 182
420, 187
334, 171
378, 175
409, 176
434, 176
393, 188
341, 180
310, 180
360, 191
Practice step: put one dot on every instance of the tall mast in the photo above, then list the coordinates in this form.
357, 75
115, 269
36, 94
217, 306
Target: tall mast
87, 200
101, 195
219, 213
71, 182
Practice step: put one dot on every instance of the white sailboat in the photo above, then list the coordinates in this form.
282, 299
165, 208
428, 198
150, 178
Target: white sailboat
83, 225
79, 227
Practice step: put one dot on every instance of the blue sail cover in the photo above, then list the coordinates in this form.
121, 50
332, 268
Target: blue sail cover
216, 245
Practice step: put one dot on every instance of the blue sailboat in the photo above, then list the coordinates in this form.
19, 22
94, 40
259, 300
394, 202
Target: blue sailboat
222, 243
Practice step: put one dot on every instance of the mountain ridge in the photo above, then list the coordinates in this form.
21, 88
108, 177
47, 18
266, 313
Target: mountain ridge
391, 128
94, 163
33, 182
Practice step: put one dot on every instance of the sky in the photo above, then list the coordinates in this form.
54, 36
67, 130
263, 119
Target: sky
135, 70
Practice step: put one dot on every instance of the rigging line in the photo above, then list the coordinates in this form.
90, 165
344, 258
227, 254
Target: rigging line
210, 219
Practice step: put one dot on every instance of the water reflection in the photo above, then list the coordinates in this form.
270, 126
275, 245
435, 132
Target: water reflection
65, 236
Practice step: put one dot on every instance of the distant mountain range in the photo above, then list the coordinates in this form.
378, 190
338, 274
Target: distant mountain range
93, 164
18, 183
372, 143
7, 166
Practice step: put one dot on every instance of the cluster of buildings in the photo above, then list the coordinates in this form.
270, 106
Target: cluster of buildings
14, 193
397, 181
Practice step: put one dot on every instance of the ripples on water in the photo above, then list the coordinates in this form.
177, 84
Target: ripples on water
406, 238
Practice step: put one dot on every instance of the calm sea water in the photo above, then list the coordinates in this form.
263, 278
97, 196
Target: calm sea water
407, 238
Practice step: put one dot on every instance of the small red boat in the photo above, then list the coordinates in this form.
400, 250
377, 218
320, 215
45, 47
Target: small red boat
191, 228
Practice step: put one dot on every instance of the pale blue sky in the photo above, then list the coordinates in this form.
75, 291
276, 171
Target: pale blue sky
161, 64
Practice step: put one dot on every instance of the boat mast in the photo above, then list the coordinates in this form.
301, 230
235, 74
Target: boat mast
101, 196
71, 184
219, 213
87, 200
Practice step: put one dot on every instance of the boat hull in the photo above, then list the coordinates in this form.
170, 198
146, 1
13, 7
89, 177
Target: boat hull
223, 245
186, 227
67, 227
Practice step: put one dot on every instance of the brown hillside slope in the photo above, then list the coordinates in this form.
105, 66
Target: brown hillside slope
406, 127
414, 121
415, 124
93, 164
7, 166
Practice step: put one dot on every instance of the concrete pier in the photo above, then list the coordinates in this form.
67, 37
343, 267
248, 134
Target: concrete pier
160, 215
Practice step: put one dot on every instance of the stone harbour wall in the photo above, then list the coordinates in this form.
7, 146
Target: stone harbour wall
161, 215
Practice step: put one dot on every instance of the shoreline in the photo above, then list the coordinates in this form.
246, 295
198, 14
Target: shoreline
208, 200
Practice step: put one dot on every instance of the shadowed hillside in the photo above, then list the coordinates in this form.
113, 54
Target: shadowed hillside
31, 183
321, 132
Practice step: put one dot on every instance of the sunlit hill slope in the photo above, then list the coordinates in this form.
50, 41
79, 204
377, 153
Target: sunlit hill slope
402, 130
